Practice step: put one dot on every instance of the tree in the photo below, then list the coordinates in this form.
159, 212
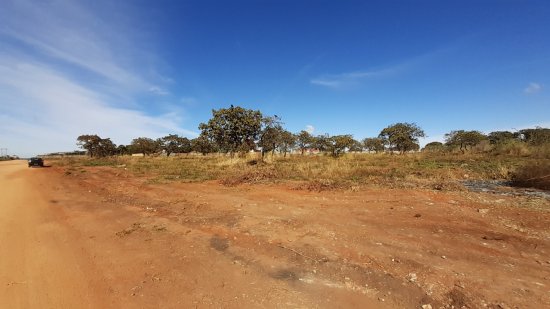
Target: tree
173, 143
338, 144
144, 145
463, 139
357, 146
233, 129
321, 142
122, 150
203, 145
502, 137
536, 136
287, 142
106, 148
270, 136
304, 140
375, 144
434, 147
96, 146
402, 136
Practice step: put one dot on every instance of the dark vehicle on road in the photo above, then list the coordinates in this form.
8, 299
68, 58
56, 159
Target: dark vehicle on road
36, 162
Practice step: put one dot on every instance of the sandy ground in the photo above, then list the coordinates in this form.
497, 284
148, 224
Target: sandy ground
104, 238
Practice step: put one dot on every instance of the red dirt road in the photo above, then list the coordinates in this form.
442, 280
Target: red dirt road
42, 264
104, 238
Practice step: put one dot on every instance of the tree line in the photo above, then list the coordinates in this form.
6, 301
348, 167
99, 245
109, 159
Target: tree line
238, 130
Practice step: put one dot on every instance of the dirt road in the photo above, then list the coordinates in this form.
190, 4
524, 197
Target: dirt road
104, 238
42, 264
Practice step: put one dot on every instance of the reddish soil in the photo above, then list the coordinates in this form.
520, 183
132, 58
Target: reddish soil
104, 238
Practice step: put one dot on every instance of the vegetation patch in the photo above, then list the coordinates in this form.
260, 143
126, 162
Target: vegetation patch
250, 175
533, 175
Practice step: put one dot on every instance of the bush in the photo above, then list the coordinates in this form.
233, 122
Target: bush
533, 175
513, 148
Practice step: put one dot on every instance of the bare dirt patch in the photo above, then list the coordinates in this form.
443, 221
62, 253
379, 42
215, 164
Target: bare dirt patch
270, 245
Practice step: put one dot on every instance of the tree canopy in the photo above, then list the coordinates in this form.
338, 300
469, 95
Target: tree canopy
402, 136
375, 144
464, 139
304, 140
144, 145
338, 144
173, 143
233, 129
96, 146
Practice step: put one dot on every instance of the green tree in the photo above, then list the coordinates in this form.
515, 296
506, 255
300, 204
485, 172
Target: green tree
464, 139
122, 150
357, 146
502, 137
270, 136
96, 146
338, 144
402, 137
106, 147
434, 147
287, 142
375, 144
321, 142
304, 140
233, 129
144, 145
536, 136
203, 145
173, 143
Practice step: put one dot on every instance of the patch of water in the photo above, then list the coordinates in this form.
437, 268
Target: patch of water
503, 188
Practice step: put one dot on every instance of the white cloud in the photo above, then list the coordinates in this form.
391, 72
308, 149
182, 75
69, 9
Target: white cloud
336, 81
350, 79
67, 70
159, 91
44, 111
533, 88
310, 129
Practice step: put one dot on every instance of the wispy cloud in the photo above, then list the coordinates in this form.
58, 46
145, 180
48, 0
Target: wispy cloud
353, 78
67, 69
533, 88
350, 79
159, 91
310, 129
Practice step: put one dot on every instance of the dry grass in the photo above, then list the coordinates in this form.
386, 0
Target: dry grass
441, 171
533, 175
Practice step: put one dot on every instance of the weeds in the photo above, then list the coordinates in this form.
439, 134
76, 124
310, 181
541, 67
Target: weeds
317, 172
533, 175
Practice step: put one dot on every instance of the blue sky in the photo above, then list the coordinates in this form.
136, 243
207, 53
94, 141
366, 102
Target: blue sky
149, 68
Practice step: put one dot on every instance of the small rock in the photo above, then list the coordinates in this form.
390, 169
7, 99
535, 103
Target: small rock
417, 215
443, 257
411, 277
427, 306
483, 211
381, 299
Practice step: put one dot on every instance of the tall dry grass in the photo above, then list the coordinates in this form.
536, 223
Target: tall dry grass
432, 170
533, 175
